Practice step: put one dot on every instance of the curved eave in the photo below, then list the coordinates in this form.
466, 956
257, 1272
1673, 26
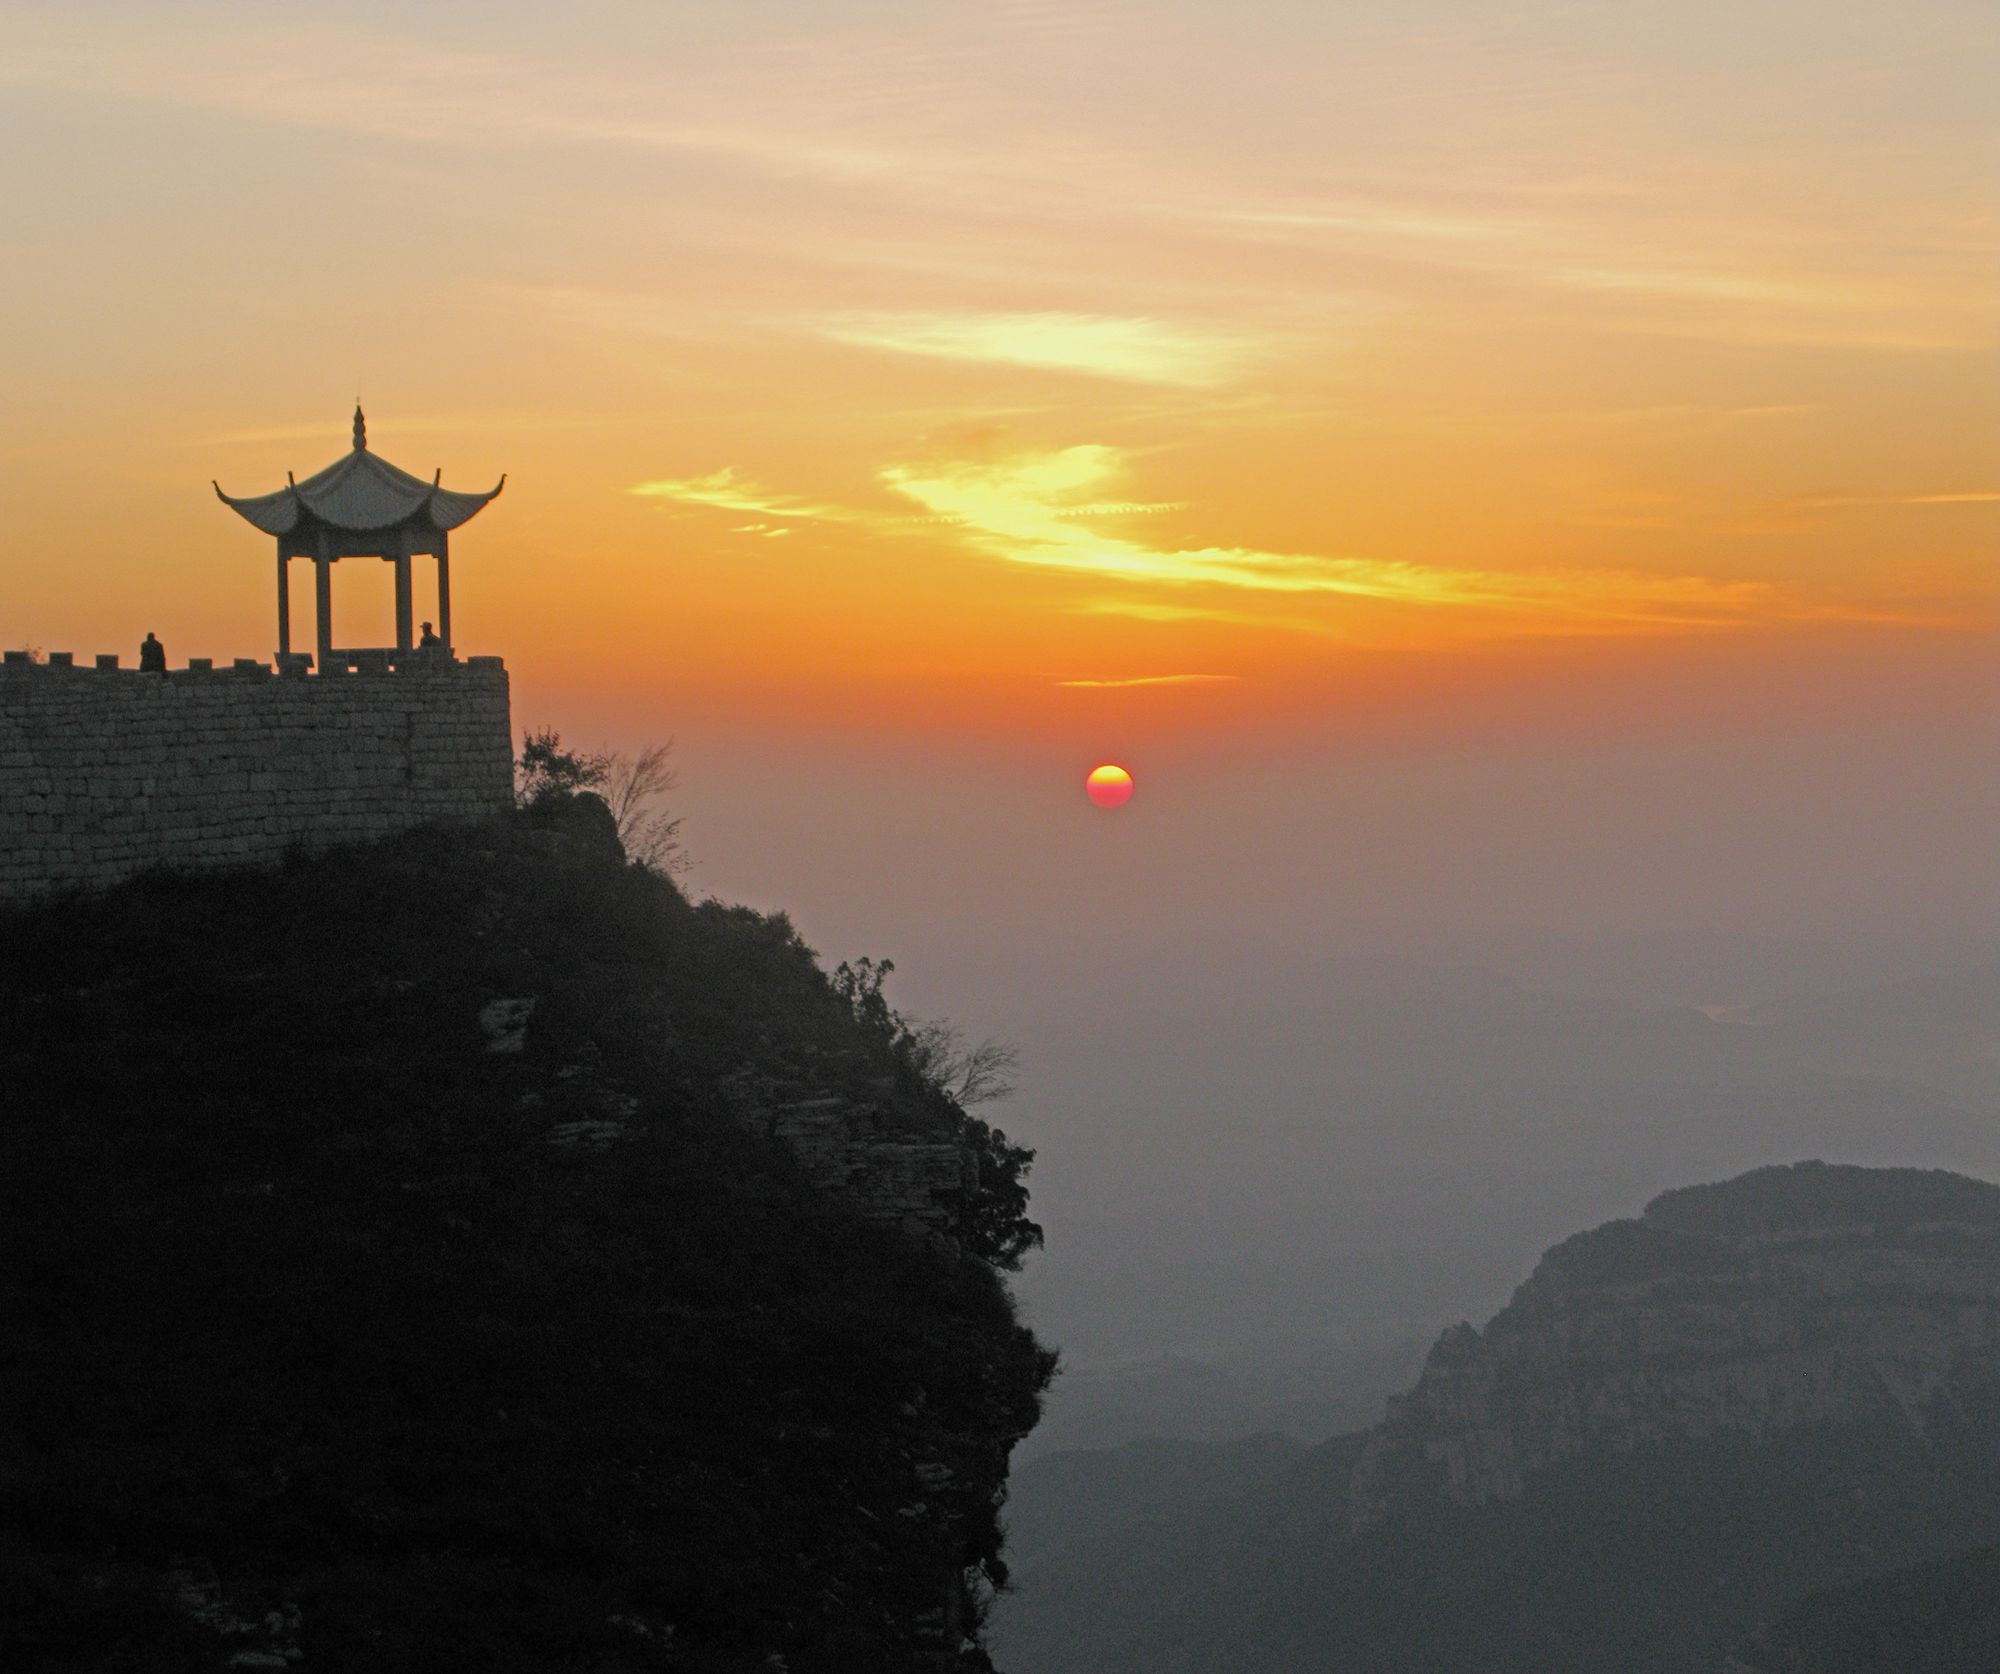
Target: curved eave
360, 495
275, 514
448, 508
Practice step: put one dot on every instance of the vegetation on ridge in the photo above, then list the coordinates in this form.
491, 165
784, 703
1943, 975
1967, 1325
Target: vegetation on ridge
547, 776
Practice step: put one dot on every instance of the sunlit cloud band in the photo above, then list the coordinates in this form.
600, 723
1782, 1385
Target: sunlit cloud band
1137, 350
1013, 510
1150, 680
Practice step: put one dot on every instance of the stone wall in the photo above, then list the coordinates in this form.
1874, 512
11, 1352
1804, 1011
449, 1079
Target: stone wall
106, 771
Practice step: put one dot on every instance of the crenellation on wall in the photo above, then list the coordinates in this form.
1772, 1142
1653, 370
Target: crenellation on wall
107, 771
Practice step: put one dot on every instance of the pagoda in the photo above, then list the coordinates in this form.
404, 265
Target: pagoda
361, 506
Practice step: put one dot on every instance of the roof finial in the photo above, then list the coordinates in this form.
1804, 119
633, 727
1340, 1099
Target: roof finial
360, 428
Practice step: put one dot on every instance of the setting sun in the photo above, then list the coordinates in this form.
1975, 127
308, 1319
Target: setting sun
1109, 786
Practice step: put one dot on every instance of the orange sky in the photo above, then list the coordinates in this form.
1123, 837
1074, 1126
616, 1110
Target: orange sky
1087, 372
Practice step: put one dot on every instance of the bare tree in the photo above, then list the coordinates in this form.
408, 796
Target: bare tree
633, 787
970, 1074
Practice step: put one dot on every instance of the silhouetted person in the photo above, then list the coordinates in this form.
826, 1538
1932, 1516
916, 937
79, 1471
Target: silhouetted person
152, 655
430, 641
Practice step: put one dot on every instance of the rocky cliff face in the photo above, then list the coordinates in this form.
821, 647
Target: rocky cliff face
918, 1185
1787, 1299
1683, 1425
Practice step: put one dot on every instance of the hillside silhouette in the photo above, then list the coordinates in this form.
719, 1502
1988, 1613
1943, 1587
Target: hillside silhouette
406, 1274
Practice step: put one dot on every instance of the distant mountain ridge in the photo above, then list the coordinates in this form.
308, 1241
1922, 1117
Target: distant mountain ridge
1789, 1297
1388, 1146
1682, 1425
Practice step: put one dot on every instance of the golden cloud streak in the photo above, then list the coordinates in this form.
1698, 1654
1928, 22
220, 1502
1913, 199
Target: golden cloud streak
1150, 680
1975, 497
1031, 509
1135, 350
1158, 610
727, 491
1013, 510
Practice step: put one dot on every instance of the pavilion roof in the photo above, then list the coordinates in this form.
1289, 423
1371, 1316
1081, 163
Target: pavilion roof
358, 493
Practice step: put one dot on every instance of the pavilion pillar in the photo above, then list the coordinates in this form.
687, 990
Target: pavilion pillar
284, 600
404, 639
323, 597
444, 593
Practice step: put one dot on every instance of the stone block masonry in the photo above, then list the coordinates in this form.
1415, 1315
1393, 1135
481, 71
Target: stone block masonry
106, 772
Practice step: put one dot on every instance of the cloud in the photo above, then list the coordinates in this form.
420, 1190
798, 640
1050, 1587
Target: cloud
1151, 680
1678, 413
1013, 510
1604, 250
1973, 497
1125, 508
396, 87
1135, 350
1391, 220
1035, 508
727, 491
912, 116
1701, 283
1159, 610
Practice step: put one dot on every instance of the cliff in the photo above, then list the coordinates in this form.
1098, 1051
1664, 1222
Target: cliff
1681, 1426
1787, 1299
463, 1251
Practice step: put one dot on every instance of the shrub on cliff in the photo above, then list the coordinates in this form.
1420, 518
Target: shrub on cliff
953, 1075
632, 788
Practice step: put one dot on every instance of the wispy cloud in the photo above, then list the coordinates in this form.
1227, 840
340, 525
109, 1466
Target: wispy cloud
728, 491
1972, 497
1679, 413
1126, 508
1040, 510
1012, 510
345, 79
1151, 680
1369, 219
1702, 283
1161, 610
1604, 263
887, 115
1137, 350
